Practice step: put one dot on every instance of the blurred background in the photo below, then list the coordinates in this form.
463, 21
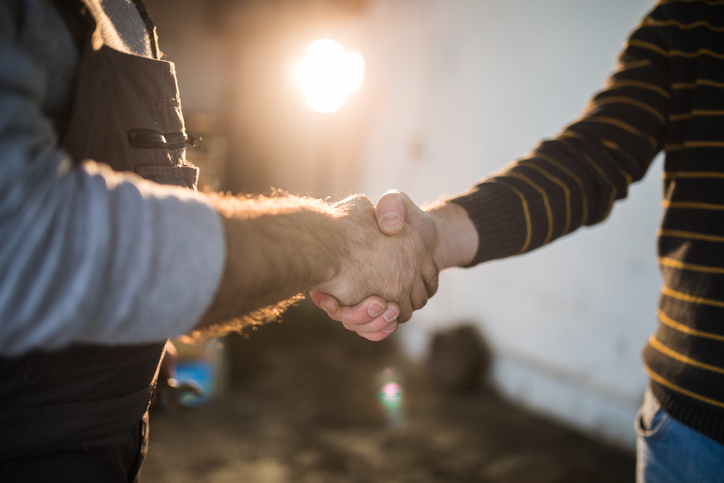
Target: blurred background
426, 96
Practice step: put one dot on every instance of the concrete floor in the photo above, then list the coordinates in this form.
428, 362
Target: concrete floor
305, 406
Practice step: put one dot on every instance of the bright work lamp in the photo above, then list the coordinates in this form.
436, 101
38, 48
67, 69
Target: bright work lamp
328, 75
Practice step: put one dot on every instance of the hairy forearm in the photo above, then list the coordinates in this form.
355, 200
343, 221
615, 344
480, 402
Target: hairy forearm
276, 248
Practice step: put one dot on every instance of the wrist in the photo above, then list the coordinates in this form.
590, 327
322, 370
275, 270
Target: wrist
457, 237
353, 223
276, 247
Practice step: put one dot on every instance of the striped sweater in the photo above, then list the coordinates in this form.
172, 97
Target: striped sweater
666, 93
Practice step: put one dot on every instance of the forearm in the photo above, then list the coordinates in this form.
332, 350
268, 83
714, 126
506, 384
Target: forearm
276, 248
282, 246
573, 180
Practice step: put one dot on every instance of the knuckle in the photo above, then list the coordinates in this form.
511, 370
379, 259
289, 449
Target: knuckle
404, 316
420, 301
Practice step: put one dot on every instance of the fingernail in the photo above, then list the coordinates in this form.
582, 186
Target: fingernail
375, 309
391, 314
390, 221
390, 328
324, 306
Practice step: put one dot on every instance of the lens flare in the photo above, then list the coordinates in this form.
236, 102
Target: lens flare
328, 74
391, 391
390, 396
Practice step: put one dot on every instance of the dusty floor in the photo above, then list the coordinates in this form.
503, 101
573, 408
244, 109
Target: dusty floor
305, 407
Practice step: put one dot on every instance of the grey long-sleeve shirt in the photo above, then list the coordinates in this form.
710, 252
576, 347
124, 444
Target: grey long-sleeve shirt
86, 254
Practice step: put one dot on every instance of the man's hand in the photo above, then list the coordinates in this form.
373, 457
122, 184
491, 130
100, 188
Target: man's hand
445, 227
278, 247
448, 234
373, 318
396, 268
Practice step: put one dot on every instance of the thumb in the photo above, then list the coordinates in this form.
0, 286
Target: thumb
324, 301
390, 211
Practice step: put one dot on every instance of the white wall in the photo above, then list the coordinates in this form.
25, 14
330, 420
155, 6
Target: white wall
455, 89
459, 88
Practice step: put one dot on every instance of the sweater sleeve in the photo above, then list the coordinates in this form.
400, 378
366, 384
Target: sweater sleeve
86, 254
574, 179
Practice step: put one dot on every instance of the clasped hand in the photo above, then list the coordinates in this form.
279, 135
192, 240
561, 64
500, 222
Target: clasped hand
389, 270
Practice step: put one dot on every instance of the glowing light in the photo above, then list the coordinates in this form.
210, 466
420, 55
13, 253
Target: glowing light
329, 74
391, 390
390, 395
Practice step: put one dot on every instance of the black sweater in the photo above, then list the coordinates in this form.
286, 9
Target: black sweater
666, 93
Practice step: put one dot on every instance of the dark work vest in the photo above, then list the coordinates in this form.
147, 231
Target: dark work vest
126, 113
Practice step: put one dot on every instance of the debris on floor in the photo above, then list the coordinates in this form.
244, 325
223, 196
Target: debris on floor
310, 402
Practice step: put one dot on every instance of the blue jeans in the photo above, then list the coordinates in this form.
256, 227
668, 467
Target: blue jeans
668, 451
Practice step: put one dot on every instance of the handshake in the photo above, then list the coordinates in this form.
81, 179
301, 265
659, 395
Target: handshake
395, 253
368, 267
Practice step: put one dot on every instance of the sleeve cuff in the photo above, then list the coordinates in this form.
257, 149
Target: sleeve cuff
498, 216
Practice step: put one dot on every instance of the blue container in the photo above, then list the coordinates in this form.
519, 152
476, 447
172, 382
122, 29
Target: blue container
202, 374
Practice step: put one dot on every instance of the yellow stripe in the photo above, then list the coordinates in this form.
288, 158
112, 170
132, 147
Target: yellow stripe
690, 298
563, 186
649, 22
681, 390
708, 2
603, 175
633, 102
584, 200
640, 84
609, 144
625, 127
693, 205
693, 174
674, 53
707, 112
615, 146
635, 64
680, 117
694, 112
694, 144
698, 82
666, 320
656, 344
543, 194
528, 226
670, 262
698, 53
648, 46
690, 235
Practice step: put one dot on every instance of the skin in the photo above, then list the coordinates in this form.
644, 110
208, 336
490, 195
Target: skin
279, 247
449, 235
